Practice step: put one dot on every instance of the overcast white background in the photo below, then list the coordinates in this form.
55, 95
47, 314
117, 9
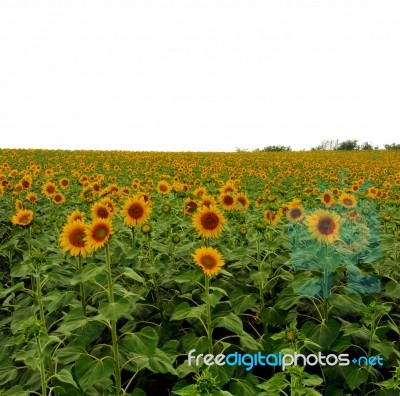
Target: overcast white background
198, 75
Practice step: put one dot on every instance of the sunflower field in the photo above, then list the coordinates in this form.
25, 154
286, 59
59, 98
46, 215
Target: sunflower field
136, 273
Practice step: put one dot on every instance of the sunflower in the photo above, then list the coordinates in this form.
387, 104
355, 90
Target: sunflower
209, 260
23, 217
353, 214
327, 199
372, 192
19, 205
200, 191
242, 202
98, 233
76, 215
109, 202
207, 201
135, 211
348, 201
32, 197
190, 207
49, 189
72, 238
227, 201
271, 217
208, 222
295, 214
101, 211
323, 225
163, 187
58, 198
64, 183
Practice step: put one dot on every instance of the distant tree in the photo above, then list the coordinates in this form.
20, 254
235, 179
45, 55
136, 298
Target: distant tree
368, 146
348, 145
327, 145
277, 148
393, 146
240, 150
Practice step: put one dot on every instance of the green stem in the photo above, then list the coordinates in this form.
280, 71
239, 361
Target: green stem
259, 270
325, 285
133, 236
117, 372
39, 296
155, 283
82, 288
41, 368
208, 312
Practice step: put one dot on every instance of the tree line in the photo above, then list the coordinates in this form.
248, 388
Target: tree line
346, 145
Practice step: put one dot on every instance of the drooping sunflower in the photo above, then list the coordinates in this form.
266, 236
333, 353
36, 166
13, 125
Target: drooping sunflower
209, 260
348, 201
98, 233
23, 217
135, 211
208, 222
58, 198
76, 215
101, 211
49, 189
327, 199
163, 187
324, 225
72, 238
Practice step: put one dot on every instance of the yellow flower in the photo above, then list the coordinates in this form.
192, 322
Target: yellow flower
209, 260
98, 233
72, 238
23, 217
208, 222
348, 201
135, 211
324, 225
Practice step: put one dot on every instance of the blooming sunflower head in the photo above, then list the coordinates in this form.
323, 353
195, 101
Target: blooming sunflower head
101, 211
23, 217
327, 199
324, 225
163, 187
348, 201
242, 201
227, 201
208, 222
295, 214
58, 198
98, 233
72, 238
49, 189
209, 260
76, 215
136, 211
190, 207
32, 198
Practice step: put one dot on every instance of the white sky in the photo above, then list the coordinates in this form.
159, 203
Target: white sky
198, 75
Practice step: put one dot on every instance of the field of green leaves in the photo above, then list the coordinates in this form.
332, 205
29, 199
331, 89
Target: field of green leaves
115, 265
